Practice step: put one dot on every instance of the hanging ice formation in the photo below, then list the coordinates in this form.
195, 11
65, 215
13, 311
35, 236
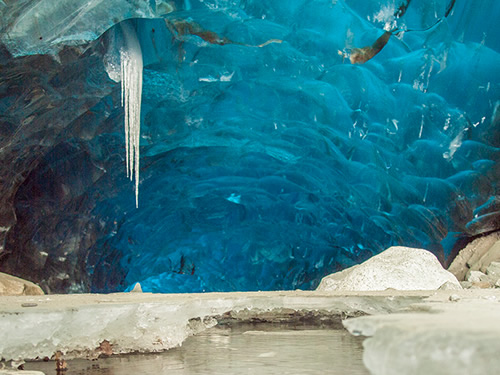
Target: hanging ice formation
131, 74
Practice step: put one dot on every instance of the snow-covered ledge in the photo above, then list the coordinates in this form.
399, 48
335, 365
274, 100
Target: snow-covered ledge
77, 325
441, 336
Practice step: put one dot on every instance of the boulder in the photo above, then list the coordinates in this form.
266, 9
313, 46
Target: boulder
493, 270
450, 286
15, 286
481, 285
478, 279
400, 268
493, 255
475, 276
476, 256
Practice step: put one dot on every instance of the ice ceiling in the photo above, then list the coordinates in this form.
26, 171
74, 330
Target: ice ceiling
267, 159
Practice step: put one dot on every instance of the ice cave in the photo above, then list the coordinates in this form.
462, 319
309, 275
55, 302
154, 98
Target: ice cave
262, 156
197, 146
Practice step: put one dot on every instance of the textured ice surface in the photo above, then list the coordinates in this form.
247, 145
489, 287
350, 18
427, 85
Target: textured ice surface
451, 338
135, 322
45, 26
261, 168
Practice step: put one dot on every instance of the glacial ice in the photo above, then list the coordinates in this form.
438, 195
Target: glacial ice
450, 338
46, 26
78, 330
260, 168
141, 322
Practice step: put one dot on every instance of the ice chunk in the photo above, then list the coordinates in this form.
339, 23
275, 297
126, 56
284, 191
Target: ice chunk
87, 325
454, 337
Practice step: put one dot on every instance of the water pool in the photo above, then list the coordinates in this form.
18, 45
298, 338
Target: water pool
243, 349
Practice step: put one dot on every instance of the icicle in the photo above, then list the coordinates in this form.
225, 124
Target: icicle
131, 74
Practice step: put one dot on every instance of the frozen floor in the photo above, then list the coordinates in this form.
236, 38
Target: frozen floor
250, 349
141, 322
408, 332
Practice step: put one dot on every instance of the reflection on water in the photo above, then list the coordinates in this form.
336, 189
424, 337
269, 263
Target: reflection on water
258, 349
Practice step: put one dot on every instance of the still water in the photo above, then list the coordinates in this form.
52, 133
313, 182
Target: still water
256, 350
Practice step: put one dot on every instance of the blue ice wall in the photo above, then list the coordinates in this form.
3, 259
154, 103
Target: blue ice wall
269, 167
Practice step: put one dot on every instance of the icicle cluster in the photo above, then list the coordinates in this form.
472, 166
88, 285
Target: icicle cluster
131, 73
